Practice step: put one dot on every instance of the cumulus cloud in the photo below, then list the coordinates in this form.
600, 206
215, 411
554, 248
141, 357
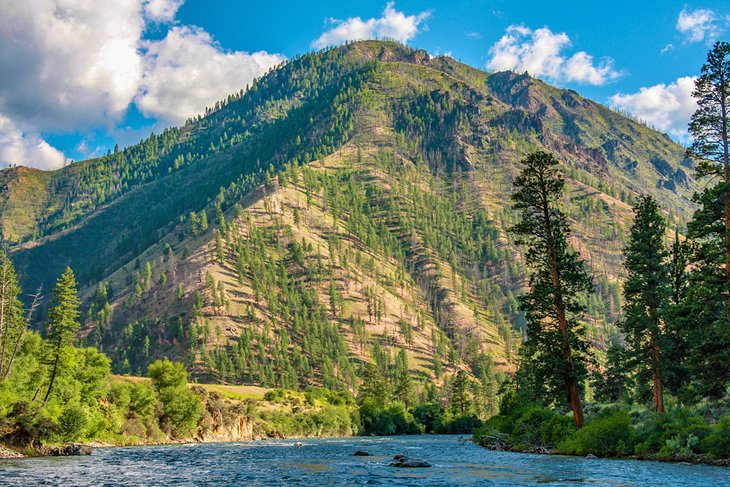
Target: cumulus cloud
698, 25
540, 52
391, 25
75, 65
19, 148
68, 63
162, 10
666, 107
187, 71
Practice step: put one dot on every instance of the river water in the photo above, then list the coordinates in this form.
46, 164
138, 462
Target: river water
324, 462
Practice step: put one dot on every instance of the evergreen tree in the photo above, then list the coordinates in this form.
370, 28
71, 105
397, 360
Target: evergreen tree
555, 351
403, 388
12, 322
647, 294
63, 322
708, 292
677, 322
459, 397
710, 129
612, 384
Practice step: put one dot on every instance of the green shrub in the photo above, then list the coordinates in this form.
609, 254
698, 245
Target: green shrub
72, 422
557, 429
717, 443
676, 432
606, 436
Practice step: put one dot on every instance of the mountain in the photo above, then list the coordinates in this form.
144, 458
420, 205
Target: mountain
352, 203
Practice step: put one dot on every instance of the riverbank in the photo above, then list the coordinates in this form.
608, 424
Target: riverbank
680, 435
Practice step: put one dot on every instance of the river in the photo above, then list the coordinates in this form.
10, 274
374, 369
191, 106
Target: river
324, 462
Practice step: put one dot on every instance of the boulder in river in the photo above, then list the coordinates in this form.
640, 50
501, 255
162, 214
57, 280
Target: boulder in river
361, 453
591, 456
74, 449
403, 461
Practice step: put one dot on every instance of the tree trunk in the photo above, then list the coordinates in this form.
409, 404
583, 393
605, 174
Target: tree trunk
726, 197
53, 373
657, 374
571, 382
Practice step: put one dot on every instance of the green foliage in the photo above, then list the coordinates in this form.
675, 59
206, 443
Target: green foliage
647, 294
181, 408
555, 352
717, 442
611, 435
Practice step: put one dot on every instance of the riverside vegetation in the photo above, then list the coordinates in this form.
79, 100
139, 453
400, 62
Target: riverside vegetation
675, 324
340, 234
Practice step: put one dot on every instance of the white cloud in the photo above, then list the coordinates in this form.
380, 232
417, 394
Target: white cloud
162, 10
77, 65
68, 63
698, 25
24, 149
187, 71
391, 25
540, 53
666, 107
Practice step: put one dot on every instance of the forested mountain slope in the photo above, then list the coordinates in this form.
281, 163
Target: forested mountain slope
350, 207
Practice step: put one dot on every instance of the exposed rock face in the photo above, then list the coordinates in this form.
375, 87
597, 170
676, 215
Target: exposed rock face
8, 453
220, 429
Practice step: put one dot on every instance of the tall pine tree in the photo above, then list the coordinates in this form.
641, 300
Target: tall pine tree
708, 293
555, 351
63, 322
647, 293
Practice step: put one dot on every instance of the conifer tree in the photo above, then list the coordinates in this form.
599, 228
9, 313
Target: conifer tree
63, 322
710, 129
12, 320
459, 396
555, 352
647, 293
708, 292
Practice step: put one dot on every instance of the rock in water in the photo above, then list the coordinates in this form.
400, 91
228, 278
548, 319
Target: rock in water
402, 461
298, 443
76, 449
361, 454
591, 456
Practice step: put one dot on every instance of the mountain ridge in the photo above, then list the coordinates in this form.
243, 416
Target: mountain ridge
423, 151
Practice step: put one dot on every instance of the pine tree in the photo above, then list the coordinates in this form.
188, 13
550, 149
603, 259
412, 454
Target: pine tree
710, 129
677, 319
555, 351
459, 396
63, 322
708, 292
647, 293
403, 388
12, 320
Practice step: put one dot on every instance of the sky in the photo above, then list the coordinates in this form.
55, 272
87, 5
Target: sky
79, 76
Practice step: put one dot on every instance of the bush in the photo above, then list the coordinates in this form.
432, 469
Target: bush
676, 432
611, 435
717, 443
389, 420
72, 422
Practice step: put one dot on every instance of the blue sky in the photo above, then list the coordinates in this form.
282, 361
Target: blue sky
79, 76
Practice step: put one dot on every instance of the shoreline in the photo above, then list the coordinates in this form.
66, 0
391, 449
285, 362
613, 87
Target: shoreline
7, 453
694, 459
